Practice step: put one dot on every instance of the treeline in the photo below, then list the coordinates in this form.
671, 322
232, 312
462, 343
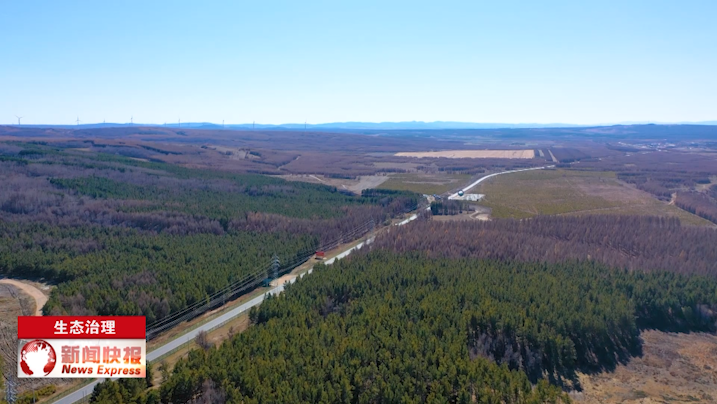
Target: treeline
660, 173
217, 201
660, 184
324, 230
474, 166
633, 242
696, 165
699, 204
448, 207
568, 155
387, 327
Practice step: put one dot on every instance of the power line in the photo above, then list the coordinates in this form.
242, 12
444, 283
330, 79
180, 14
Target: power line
251, 280
256, 277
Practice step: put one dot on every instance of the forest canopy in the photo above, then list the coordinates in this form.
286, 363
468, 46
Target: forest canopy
126, 236
388, 327
502, 311
634, 242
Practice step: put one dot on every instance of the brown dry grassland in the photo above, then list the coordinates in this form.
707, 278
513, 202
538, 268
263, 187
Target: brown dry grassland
566, 192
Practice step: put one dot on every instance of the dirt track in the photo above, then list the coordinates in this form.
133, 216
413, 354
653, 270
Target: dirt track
35, 293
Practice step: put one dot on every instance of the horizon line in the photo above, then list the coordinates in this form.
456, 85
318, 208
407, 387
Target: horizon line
463, 124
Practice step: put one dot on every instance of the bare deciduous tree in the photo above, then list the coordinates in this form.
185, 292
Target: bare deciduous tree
202, 339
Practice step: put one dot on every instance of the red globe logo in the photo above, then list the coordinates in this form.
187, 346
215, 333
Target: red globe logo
37, 358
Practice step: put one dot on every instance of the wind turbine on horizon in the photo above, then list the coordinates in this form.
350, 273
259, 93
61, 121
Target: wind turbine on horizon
78, 121
18, 119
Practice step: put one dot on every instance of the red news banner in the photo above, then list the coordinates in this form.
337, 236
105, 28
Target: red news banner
81, 346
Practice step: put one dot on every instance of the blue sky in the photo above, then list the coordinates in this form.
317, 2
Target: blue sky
278, 62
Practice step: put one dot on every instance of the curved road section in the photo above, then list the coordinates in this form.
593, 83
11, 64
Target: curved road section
455, 196
86, 391
35, 293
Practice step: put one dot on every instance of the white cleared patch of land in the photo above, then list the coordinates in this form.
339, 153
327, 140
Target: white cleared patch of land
467, 197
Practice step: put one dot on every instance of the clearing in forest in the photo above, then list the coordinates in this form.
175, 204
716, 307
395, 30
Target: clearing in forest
559, 192
473, 154
355, 185
677, 368
424, 183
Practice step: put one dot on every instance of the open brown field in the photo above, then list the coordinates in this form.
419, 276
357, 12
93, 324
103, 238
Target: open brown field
425, 183
566, 192
674, 368
473, 154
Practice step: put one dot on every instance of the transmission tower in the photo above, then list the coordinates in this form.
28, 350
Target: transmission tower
8, 350
11, 390
275, 264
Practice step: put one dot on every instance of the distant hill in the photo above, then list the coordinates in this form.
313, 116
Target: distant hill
413, 125
319, 136
359, 126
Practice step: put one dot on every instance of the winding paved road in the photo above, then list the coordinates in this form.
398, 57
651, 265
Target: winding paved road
455, 196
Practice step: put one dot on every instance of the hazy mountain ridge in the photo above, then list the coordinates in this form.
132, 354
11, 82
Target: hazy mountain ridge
406, 125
